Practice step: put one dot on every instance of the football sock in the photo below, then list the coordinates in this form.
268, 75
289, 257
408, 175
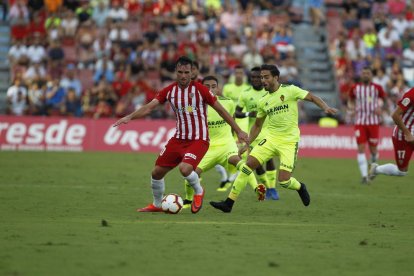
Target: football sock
271, 179
158, 188
291, 184
374, 157
389, 169
233, 176
246, 175
263, 179
363, 164
222, 171
194, 181
189, 191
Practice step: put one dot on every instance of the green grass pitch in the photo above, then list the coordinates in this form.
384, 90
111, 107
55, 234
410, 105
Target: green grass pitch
53, 204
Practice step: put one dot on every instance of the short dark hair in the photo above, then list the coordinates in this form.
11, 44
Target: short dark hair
207, 78
272, 68
196, 64
255, 69
183, 60
239, 66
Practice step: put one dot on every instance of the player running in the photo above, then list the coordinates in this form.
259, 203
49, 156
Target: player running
248, 101
223, 148
282, 139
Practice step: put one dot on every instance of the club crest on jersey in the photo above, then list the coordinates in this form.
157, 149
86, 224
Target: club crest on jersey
282, 98
405, 102
192, 95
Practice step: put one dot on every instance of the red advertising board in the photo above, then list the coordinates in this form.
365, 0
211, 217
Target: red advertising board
68, 134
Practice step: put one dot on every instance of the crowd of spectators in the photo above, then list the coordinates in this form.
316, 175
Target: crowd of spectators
104, 58
378, 34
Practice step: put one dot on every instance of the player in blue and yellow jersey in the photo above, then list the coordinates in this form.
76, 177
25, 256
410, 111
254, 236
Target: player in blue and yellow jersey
223, 149
248, 102
280, 108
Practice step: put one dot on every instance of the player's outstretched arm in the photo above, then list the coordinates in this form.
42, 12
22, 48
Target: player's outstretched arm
397, 117
240, 114
243, 137
139, 113
319, 102
254, 132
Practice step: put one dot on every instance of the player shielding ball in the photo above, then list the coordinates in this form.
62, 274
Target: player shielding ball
402, 138
187, 147
223, 149
281, 108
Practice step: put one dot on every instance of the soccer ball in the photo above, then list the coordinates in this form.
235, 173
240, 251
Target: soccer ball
172, 203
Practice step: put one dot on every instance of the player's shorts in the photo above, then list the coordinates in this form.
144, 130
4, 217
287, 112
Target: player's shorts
368, 134
218, 155
287, 152
402, 152
259, 138
177, 151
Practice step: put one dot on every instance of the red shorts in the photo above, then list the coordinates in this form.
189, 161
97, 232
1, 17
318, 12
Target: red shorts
402, 153
368, 134
177, 151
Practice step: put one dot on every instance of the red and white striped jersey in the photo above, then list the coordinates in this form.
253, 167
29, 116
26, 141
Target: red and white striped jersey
407, 105
189, 105
366, 98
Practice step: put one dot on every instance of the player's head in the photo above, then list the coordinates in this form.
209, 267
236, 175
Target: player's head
183, 70
212, 83
270, 77
255, 78
195, 70
366, 74
239, 74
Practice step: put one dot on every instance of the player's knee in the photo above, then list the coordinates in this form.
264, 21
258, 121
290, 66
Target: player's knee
185, 169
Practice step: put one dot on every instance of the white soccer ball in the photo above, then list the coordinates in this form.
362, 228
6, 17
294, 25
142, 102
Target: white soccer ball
172, 203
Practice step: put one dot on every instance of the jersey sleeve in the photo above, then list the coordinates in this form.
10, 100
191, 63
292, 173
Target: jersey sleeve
351, 92
162, 95
299, 93
207, 95
381, 92
407, 100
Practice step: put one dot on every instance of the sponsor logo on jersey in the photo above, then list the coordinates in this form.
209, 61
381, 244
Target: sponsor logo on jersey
278, 109
190, 155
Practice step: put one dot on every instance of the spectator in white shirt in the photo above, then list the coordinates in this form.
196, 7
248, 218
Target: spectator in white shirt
36, 72
18, 53
117, 12
37, 52
119, 33
17, 98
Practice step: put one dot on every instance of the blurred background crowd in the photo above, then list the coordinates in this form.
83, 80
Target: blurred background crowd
104, 58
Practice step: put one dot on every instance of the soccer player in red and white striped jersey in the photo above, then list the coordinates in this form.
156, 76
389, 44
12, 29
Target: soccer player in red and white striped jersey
187, 147
364, 101
402, 138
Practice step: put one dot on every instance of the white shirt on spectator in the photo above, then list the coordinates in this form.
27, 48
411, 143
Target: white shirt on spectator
17, 106
17, 51
381, 81
32, 72
118, 14
408, 55
355, 49
36, 53
251, 60
119, 34
386, 41
109, 65
400, 25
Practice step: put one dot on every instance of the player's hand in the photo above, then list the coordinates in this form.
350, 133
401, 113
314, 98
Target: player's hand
123, 120
409, 138
331, 110
242, 149
252, 114
243, 137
